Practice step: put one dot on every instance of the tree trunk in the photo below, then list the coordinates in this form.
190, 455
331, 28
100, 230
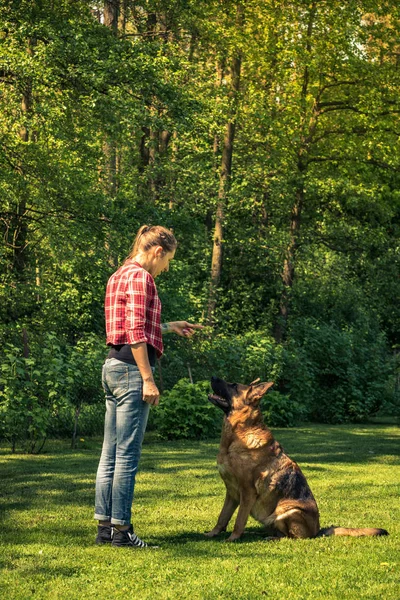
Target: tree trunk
110, 159
307, 128
111, 17
19, 226
216, 262
29, 406
147, 151
288, 270
144, 150
224, 179
220, 73
174, 151
153, 152
77, 413
123, 15
111, 14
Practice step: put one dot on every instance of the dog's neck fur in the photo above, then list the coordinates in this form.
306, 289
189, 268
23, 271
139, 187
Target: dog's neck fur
248, 426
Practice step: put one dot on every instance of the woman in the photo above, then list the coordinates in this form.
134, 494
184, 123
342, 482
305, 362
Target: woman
134, 334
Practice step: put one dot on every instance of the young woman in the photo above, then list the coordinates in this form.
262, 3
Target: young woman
134, 334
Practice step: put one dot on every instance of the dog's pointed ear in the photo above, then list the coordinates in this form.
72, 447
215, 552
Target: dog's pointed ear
256, 392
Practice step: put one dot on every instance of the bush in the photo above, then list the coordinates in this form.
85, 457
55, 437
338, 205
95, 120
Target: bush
91, 421
331, 374
31, 392
391, 398
322, 373
337, 375
38, 394
280, 411
84, 377
185, 412
236, 358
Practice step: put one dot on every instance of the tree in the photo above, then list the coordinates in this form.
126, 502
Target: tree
226, 166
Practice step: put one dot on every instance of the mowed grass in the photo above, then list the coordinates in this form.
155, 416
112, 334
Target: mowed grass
47, 529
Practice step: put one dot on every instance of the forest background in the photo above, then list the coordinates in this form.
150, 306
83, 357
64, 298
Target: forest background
266, 134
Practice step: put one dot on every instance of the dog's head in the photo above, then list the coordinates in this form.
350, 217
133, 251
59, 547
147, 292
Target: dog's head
235, 396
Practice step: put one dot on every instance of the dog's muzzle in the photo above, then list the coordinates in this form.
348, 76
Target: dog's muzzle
220, 402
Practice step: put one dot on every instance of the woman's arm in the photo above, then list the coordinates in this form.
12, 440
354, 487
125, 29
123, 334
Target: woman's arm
151, 395
182, 328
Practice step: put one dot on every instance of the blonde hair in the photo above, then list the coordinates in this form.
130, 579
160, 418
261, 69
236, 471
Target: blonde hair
153, 235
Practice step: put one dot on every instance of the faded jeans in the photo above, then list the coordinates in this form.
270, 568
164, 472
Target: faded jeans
124, 427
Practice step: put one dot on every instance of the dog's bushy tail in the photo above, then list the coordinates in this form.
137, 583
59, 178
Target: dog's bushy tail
365, 531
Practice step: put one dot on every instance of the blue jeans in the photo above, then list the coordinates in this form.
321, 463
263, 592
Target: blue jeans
124, 427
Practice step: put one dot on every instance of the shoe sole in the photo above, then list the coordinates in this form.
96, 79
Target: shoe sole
101, 543
134, 547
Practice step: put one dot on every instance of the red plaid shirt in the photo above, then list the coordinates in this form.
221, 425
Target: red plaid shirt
133, 308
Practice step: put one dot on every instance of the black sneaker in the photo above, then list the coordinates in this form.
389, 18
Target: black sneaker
104, 534
128, 539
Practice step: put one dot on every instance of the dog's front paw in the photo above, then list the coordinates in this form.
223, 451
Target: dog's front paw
214, 532
233, 537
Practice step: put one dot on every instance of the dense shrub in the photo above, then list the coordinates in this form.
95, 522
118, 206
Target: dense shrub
322, 373
32, 390
38, 391
91, 421
84, 376
337, 375
391, 397
185, 413
279, 410
239, 358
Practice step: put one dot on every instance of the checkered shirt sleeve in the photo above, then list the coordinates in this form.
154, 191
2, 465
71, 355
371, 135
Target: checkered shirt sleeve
133, 308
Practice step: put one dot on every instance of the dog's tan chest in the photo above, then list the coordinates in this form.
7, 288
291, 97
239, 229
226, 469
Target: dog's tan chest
225, 470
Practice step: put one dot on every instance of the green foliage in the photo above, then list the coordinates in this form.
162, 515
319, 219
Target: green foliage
338, 375
84, 362
185, 413
84, 366
280, 411
323, 373
90, 421
32, 390
38, 393
240, 358
101, 133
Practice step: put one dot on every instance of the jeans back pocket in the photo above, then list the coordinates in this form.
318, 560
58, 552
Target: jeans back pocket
117, 379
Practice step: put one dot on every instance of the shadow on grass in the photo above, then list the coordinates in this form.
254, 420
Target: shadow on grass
250, 536
340, 444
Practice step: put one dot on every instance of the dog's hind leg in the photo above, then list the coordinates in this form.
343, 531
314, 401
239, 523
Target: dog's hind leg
229, 507
295, 525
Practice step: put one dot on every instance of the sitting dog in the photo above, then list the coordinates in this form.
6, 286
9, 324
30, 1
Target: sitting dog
259, 476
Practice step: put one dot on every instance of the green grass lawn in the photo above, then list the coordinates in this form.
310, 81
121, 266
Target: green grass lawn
47, 529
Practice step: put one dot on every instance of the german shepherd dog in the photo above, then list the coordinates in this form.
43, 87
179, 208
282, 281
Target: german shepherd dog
259, 476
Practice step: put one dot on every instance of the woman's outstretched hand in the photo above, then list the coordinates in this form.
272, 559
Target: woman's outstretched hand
183, 328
